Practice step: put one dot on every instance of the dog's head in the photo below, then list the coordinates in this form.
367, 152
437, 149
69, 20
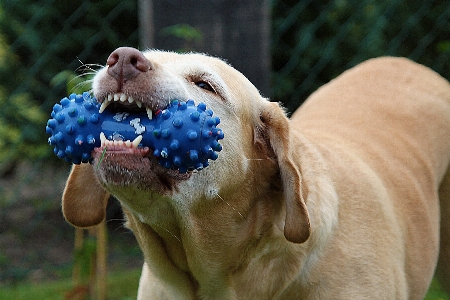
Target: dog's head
256, 147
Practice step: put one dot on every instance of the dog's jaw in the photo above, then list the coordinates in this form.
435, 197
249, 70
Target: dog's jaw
119, 168
148, 87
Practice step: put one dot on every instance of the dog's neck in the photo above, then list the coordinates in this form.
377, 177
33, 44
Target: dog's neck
218, 241
198, 243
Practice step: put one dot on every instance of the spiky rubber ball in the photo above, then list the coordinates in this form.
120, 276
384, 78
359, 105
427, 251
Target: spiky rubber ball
183, 136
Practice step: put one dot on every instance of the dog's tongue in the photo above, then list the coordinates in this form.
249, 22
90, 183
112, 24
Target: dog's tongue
182, 136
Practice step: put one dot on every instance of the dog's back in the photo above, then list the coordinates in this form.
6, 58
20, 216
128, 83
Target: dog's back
443, 269
399, 125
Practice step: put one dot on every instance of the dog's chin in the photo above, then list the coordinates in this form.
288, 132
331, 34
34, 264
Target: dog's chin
135, 168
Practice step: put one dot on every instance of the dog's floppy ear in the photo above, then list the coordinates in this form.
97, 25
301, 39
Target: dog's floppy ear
84, 200
297, 227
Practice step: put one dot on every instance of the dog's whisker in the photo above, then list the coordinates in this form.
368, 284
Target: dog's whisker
122, 223
243, 218
85, 68
89, 79
86, 74
81, 84
169, 232
93, 65
112, 220
89, 66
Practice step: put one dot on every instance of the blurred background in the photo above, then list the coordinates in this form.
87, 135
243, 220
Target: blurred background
51, 48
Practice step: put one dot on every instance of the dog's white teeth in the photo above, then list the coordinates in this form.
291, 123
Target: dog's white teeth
104, 106
102, 139
137, 141
123, 98
129, 144
149, 113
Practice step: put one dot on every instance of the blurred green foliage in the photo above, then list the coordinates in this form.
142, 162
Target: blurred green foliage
183, 31
47, 45
44, 48
188, 34
314, 41
122, 285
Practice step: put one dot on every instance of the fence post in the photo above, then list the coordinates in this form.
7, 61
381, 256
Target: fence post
101, 260
236, 30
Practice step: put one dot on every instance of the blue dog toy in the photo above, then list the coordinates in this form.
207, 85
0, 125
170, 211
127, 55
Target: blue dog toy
183, 136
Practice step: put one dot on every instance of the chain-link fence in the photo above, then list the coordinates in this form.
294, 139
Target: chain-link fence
44, 46
312, 42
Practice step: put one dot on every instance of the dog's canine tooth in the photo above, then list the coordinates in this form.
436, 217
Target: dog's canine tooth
104, 106
102, 139
136, 141
149, 113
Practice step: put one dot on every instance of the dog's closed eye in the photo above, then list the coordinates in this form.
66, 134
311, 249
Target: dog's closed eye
205, 85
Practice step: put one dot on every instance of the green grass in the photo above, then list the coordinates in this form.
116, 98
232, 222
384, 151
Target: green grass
436, 292
121, 286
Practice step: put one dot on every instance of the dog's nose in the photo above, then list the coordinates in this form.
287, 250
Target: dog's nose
126, 63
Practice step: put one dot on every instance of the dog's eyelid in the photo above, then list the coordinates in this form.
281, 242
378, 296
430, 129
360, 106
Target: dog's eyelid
213, 82
203, 81
205, 85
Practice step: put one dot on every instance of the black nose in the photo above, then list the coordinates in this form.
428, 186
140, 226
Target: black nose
126, 63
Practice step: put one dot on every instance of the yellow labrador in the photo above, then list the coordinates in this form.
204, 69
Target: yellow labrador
339, 202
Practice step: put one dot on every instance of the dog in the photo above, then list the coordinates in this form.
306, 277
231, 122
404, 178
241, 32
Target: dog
340, 201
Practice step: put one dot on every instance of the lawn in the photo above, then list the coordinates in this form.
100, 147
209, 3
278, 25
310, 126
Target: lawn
121, 286
436, 293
